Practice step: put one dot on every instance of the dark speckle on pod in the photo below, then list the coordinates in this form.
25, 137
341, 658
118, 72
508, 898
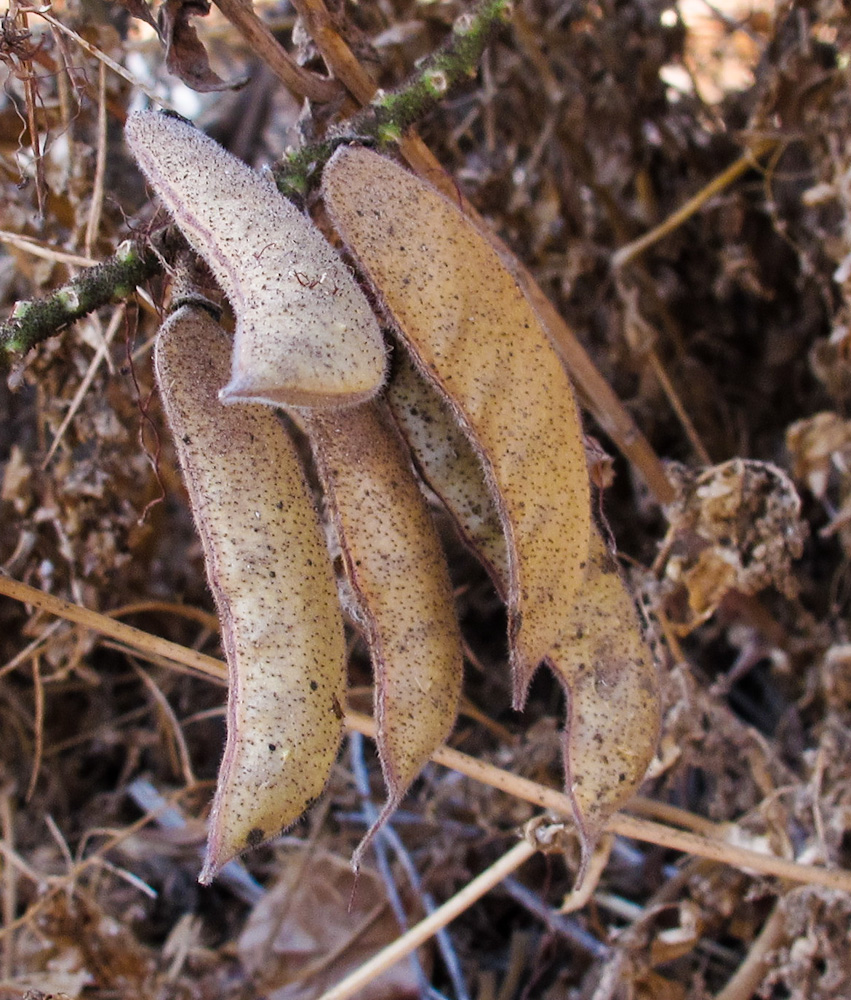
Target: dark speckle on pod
305, 334
274, 587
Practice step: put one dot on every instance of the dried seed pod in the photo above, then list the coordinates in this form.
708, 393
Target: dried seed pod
607, 670
472, 331
447, 462
397, 570
611, 684
274, 587
305, 334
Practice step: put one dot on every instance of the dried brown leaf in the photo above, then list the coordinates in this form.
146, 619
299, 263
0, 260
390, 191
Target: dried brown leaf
185, 54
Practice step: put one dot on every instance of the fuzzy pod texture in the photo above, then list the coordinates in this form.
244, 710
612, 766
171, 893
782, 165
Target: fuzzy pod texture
471, 330
602, 661
273, 583
611, 682
397, 570
305, 334
447, 462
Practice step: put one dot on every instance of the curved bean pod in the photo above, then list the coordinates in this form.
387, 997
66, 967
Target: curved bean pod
273, 583
305, 334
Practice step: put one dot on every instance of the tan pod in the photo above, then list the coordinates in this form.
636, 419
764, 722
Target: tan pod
471, 331
398, 574
305, 334
274, 587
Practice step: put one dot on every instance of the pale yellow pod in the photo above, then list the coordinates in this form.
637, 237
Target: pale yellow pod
397, 571
274, 587
448, 463
305, 334
472, 331
602, 661
611, 684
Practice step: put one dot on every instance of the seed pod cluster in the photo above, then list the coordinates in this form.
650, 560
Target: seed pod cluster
602, 661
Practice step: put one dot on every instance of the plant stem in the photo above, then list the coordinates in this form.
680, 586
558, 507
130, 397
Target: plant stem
35, 320
384, 121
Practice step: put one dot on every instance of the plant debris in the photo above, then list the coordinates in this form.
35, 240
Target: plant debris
724, 335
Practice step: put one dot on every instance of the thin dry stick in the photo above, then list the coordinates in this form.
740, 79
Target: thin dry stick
38, 725
10, 880
752, 971
628, 826
101, 354
29, 245
677, 406
522, 788
177, 733
142, 641
421, 932
100, 165
744, 163
295, 78
338, 57
104, 58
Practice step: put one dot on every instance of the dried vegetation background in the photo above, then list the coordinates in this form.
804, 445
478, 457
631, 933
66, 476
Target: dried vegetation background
728, 339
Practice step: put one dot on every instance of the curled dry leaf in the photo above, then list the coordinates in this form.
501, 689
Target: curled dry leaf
396, 567
273, 583
471, 331
602, 661
734, 526
305, 334
185, 54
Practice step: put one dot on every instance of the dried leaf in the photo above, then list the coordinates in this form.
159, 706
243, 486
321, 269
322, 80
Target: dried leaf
140, 10
185, 55
471, 330
733, 526
312, 928
272, 579
305, 334
397, 570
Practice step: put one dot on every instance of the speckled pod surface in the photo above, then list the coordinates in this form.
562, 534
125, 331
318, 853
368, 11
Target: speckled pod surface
470, 329
274, 587
397, 571
305, 334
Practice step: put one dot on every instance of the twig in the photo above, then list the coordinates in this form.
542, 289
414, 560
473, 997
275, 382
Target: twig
134, 637
103, 57
713, 848
421, 932
387, 116
744, 163
628, 826
96, 207
35, 320
295, 78
750, 973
